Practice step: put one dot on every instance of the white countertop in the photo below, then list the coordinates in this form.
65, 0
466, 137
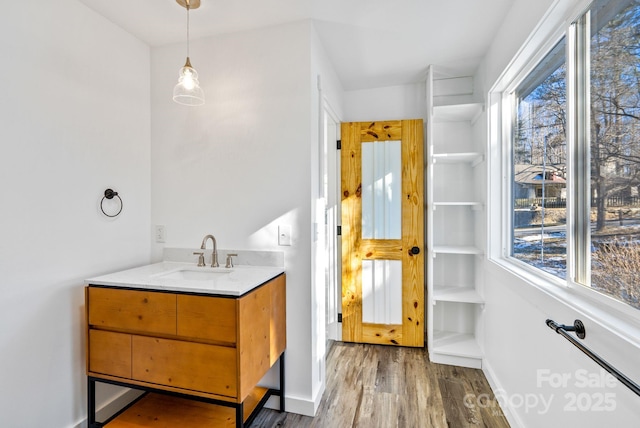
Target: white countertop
188, 277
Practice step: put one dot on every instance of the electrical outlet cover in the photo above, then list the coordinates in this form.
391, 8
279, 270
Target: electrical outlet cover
160, 233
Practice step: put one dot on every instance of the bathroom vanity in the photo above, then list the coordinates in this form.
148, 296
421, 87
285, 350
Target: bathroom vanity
197, 340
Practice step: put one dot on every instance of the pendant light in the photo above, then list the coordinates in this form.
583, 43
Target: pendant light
188, 90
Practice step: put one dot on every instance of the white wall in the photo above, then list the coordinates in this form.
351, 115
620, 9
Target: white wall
74, 120
241, 165
523, 357
387, 103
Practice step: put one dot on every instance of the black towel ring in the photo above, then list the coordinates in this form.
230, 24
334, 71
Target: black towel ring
110, 194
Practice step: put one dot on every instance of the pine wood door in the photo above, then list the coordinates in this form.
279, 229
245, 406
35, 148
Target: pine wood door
382, 170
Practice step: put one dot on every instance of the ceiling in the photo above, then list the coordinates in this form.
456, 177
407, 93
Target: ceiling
371, 43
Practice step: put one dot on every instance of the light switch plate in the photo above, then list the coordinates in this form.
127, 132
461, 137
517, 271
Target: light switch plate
284, 234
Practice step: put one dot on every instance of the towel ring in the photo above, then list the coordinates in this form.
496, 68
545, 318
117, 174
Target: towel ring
110, 194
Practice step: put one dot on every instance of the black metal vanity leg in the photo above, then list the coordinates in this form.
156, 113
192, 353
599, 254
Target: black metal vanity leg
91, 402
240, 415
282, 382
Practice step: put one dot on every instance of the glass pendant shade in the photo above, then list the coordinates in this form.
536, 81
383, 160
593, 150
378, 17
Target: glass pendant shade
188, 91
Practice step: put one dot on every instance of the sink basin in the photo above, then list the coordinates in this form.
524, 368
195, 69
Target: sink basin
195, 275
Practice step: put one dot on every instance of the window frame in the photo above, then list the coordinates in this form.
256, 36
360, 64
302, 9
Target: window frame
510, 131
572, 23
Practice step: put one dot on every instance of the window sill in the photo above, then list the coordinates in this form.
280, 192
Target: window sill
607, 312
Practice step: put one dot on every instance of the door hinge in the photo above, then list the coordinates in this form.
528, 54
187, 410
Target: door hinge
339, 230
339, 317
339, 144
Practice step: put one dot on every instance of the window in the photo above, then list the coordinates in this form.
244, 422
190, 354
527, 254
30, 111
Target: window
538, 165
575, 156
614, 70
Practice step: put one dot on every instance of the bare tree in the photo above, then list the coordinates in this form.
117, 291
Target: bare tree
615, 109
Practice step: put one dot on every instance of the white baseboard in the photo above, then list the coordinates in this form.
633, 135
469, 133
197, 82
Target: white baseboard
298, 405
509, 413
454, 360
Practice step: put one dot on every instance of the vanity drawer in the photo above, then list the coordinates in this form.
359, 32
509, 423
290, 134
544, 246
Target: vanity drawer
188, 365
133, 310
110, 353
208, 318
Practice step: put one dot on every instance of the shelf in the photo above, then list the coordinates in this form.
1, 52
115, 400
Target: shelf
456, 294
473, 205
448, 158
455, 249
457, 112
456, 344
158, 410
455, 213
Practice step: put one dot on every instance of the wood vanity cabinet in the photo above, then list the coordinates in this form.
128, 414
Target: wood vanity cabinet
213, 347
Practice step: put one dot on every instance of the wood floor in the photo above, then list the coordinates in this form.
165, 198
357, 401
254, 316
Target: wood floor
374, 386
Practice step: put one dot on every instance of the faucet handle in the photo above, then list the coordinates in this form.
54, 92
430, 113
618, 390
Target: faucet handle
200, 258
230, 260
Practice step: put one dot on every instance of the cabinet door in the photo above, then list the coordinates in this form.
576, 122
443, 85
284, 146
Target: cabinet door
254, 311
278, 323
209, 318
109, 353
188, 365
142, 311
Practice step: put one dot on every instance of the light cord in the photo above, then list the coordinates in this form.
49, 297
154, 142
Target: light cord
187, 28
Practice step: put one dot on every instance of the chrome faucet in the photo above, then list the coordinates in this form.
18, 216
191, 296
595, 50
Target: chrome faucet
214, 255
230, 260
